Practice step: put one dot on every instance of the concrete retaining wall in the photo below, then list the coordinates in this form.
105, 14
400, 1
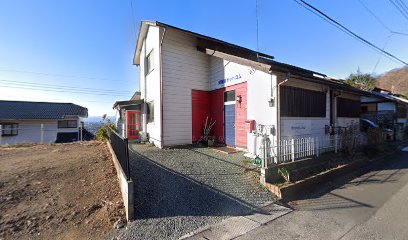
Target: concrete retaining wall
126, 186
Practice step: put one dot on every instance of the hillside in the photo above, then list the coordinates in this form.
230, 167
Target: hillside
395, 81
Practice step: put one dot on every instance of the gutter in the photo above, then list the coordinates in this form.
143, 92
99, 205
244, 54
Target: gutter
161, 86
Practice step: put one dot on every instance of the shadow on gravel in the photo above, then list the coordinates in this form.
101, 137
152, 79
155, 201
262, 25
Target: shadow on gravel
162, 192
388, 171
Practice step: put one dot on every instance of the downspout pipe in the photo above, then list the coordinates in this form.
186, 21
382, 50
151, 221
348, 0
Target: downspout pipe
278, 103
161, 86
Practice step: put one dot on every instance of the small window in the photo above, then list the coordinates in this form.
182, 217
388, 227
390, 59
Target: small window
150, 111
9, 129
348, 108
149, 62
229, 96
402, 111
67, 123
300, 102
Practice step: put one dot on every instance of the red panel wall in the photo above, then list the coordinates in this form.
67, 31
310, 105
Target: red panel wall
241, 114
200, 102
212, 104
217, 113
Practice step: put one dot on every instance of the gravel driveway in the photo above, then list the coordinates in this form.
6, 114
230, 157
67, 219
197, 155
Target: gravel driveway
180, 190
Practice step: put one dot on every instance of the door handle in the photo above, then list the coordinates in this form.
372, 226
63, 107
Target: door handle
233, 125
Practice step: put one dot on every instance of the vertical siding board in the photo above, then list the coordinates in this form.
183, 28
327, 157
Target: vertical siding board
184, 69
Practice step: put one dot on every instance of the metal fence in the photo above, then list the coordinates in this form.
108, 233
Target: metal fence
121, 148
293, 149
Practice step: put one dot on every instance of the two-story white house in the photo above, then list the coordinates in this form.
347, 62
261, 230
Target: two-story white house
186, 77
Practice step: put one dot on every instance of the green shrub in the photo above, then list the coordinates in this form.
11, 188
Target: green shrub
102, 133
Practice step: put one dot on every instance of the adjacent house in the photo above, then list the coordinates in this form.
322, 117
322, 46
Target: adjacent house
385, 109
128, 115
40, 122
186, 78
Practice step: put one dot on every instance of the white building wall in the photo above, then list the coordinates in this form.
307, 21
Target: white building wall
150, 84
224, 73
30, 131
293, 127
260, 89
184, 69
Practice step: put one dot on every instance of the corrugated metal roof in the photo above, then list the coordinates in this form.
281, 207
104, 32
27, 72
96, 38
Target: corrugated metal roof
39, 110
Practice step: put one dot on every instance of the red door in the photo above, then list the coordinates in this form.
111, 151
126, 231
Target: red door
133, 125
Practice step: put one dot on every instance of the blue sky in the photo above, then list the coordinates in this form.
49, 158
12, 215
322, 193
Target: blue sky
61, 46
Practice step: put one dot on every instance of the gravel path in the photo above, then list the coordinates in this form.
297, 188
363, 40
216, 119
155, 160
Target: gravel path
180, 190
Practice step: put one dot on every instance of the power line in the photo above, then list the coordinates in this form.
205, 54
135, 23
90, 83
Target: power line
63, 87
397, 5
49, 99
344, 29
62, 91
60, 75
257, 25
375, 16
133, 18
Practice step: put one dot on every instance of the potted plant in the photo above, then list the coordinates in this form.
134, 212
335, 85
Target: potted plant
206, 138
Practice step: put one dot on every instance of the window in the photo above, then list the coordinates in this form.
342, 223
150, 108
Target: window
229, 96
402, 111
67, 123
299, 102
348, 108
9, 129
150, 111
149, 62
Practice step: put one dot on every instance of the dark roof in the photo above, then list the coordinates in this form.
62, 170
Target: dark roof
235, 50
39, 110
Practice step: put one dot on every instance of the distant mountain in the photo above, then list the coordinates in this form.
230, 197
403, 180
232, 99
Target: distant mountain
394, 81
98, 119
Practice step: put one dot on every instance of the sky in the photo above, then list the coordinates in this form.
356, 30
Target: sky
82, 51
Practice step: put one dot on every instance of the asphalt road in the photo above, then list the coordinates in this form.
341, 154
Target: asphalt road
370, 206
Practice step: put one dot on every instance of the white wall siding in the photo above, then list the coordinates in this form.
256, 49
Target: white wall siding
151, 92
184, 69
306, 126
30, 132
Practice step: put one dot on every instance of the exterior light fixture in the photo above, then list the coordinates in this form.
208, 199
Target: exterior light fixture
239, 98
271, 102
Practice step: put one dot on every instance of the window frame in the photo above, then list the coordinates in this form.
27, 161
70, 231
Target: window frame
150, 112
67, 125
348, 108
149, 65
13, 129
302, 102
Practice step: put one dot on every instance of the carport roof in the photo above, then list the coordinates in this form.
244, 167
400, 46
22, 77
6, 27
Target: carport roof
127, 103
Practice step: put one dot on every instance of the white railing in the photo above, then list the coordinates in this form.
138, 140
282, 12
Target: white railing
293, 149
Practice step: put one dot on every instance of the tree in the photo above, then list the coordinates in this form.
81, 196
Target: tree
363, 81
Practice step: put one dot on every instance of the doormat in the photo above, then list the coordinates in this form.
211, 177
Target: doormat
226, 150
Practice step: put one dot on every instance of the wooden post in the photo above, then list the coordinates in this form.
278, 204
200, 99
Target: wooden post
42, 133
317, 146
80, 133
293, 149
335, 143
1, 132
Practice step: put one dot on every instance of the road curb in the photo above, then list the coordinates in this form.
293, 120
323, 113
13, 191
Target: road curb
234, 227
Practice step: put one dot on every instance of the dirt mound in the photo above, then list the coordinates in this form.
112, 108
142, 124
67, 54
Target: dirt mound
60, 191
